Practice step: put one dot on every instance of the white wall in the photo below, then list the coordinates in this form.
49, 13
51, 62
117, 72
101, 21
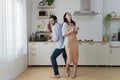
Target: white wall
14, 68
60, 8
29, 17
111, 5
90, 26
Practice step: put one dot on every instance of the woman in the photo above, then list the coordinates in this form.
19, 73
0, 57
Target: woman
69, 31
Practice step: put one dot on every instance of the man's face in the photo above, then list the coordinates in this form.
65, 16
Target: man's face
52, 21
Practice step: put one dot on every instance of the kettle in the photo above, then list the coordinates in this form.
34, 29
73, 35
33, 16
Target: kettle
118, 36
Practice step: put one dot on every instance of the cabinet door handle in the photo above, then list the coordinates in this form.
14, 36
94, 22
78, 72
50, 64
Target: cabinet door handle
91, 43
80, 42
33, 54
103, 43
33, 44
33, 48
111, 51
46, 43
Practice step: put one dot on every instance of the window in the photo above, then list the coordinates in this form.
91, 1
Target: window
13, 29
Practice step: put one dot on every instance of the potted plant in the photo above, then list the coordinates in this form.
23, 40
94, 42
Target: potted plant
107, 20
38, 26
49, 2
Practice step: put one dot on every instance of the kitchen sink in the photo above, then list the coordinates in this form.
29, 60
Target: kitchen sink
114, 43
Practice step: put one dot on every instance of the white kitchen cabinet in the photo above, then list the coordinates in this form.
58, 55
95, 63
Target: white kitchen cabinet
88, 53
44, 54
39, 53
114, 57
92, 53
33, 54
60, 60
50, 48
82, 55
103, 54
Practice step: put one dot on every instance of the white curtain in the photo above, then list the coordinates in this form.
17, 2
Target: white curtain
13, 29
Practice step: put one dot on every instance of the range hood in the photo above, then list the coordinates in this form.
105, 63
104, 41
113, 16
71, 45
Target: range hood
85, 9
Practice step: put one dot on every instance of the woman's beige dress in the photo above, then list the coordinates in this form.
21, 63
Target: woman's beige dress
72, 47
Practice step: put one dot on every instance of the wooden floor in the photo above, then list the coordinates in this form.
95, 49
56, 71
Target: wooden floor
83, 73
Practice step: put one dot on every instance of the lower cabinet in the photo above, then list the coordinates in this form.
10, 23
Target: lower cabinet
90, 53
114, 56
82, 55
93, 53
103, 54
39, 53
33, 54
45, 52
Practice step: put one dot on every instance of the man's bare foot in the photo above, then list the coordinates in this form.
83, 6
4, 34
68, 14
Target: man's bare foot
55, 76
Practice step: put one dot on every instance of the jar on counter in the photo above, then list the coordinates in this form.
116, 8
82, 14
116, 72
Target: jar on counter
32, 37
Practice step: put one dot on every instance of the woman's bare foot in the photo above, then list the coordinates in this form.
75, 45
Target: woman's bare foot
67, 74
55, 76
74, 76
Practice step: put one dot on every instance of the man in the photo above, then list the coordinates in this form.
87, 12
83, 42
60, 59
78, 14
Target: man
58, 39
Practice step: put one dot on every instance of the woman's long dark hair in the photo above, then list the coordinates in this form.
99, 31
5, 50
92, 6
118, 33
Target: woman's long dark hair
65, 20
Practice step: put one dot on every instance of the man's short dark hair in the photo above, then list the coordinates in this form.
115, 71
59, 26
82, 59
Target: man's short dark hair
54, 17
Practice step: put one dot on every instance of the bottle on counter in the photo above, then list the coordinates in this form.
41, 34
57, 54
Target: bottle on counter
32, 37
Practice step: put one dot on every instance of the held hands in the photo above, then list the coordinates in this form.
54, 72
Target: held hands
74, 29
50, 40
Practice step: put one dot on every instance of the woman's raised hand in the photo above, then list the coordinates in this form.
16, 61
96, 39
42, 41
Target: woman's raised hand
76, 28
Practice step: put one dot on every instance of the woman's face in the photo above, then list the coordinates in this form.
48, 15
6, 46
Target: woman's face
68, 16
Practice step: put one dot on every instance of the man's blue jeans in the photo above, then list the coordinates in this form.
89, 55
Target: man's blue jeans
53, 57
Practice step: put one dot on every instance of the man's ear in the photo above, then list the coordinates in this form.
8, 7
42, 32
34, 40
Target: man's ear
55, 21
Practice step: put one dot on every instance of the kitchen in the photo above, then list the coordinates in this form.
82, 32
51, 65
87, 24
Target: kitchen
91, 28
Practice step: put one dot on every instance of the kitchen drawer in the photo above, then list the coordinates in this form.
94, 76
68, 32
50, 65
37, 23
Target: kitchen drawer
33, 45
